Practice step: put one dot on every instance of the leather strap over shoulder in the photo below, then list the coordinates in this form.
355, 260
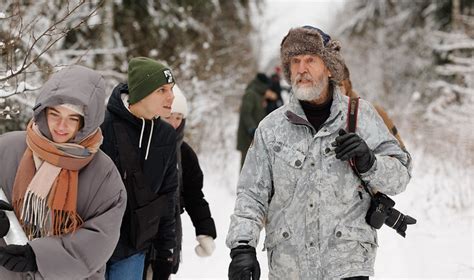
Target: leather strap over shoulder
352, 112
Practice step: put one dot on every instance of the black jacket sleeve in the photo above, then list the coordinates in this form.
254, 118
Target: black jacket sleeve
193, 197
166, 238
109, 144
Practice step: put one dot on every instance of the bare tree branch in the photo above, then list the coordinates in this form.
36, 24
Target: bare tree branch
48, 33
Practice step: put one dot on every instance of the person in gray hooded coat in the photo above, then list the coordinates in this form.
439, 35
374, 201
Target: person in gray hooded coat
297, 182
66, 193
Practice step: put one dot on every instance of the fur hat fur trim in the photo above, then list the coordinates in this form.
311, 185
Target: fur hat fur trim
309, 40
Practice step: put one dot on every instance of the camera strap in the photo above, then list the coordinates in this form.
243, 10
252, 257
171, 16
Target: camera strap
352, 111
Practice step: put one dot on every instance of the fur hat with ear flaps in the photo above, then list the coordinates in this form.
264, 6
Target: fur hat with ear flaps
311, 40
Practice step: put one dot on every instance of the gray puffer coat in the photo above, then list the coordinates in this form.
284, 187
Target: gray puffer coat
101, 195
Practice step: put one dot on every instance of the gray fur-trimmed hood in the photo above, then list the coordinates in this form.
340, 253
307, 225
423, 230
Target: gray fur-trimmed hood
310, 40
76, 85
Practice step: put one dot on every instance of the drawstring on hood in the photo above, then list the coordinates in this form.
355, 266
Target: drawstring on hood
149, 138
141, 133
126, 104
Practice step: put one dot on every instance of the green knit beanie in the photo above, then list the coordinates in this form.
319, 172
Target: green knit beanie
145, 75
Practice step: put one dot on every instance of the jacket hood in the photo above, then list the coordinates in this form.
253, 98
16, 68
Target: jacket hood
116, 105
76, 85
257, 86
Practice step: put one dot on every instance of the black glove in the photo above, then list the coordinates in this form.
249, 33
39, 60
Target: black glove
244, 264
4, 222
18, 258
399, 221
163, 265
350, 145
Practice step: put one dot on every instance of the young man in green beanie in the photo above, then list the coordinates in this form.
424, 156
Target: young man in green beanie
143, 147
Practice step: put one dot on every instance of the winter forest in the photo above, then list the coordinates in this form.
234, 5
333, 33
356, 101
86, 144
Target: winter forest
414, 58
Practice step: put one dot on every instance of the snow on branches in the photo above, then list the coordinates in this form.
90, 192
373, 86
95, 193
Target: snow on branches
30, 35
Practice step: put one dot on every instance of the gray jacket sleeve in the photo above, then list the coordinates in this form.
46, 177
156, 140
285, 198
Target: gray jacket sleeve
253, 194
85, 251
391, 171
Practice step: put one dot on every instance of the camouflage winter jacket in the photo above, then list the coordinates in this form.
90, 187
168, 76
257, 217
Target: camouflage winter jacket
309, 201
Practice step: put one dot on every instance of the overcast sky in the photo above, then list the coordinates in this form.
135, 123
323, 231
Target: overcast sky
280, 15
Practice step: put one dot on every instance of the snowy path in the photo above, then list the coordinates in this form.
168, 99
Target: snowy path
440, 246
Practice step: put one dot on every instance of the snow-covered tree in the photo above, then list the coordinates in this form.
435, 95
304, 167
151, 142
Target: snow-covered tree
400, 50
416, 59
207, 43
31, 34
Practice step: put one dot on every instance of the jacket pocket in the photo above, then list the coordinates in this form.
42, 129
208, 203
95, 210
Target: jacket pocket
275, 237
287, 169
350, 248
348, 233
288, 155
282, 255
144, 222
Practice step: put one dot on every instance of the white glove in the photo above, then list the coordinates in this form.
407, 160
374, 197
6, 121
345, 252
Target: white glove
206, 245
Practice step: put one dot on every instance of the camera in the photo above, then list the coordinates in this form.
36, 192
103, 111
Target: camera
381, 212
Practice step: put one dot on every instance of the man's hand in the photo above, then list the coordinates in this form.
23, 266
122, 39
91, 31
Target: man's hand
4, 222
206, 245
18, 258
244, 264
352, 146
270, 95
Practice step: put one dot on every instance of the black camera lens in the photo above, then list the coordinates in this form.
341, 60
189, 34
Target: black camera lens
399, 222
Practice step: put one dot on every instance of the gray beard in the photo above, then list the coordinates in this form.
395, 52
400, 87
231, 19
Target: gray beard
309, 93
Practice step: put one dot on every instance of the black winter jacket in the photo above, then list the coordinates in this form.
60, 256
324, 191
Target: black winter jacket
193, 197
159, 169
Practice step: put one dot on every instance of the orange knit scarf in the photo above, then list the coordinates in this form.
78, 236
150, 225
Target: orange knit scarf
45, 200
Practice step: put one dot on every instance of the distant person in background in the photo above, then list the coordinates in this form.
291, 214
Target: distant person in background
190, 195
143, 147
276, 88
348, 90
253, 110
66, 193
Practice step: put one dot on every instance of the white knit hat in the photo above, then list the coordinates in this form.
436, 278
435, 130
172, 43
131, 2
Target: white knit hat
179, 103
75, 108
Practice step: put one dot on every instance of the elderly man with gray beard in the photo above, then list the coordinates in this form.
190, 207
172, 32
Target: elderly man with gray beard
297, 183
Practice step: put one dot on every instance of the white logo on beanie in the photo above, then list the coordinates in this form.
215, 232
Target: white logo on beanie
168, 76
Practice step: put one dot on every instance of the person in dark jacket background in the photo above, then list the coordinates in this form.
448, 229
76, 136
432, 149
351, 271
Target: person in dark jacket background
275, 86
191, 198
151, 178
253, 110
